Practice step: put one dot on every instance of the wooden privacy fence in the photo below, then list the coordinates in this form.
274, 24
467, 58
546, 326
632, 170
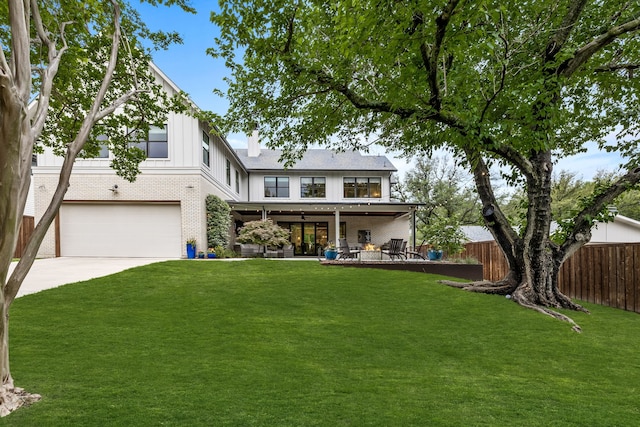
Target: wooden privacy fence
26, 228
606, 274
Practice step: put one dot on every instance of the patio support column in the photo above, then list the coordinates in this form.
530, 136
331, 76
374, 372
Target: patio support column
337, 226
264, 214
413, 226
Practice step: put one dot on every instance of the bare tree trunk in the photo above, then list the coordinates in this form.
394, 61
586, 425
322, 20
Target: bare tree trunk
18, 132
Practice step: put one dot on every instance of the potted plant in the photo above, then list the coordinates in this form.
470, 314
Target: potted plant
434, 253
191, 248
211, 253
200, 255
330, 251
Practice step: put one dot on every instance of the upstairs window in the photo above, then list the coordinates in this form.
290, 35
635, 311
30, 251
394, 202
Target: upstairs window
154, 144
206, 159
362, 188
104, 147
237, 182
312, 187
228, 172
276, 186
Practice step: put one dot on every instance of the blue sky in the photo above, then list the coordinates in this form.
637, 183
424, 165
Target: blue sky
199, 74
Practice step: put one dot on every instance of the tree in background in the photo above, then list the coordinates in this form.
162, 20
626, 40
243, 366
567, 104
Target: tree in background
569, 193
445, 191
65, 68
509, 82
218, 221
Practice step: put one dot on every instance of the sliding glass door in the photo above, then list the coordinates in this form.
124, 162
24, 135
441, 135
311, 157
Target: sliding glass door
307, 237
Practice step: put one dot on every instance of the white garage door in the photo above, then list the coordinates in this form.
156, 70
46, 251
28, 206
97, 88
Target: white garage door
120, 230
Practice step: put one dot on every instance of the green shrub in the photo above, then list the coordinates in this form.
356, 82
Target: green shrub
264, 233
218, 221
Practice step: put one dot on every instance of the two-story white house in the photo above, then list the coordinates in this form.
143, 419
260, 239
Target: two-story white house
324, 196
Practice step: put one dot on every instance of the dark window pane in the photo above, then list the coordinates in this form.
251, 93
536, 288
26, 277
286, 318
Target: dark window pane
375, 187
306, 189
205, 149
362, 187
276, 186
283, 192
349, 187
158, 150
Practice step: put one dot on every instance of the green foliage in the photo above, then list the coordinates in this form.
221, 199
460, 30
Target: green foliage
224, 252
373, 70
443, 188
87, 28
257, 342
218, 221
264, 233
444, 234
515, 83
566, 226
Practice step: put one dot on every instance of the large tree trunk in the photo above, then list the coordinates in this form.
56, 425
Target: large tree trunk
14, 176
534, 260
11, 397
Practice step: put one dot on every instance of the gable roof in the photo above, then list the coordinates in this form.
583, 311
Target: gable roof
476, 233
317, 159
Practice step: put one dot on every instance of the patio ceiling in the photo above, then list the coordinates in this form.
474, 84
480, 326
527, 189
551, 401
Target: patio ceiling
397, 209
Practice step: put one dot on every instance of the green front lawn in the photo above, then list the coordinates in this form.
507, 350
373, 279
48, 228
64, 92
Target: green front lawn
293, 343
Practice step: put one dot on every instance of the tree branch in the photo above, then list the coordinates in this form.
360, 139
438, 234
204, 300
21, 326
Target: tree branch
21, 270
20, 48
581, 232
40, 30
616, 67
54, 57
583, 54
560, 37
430, 59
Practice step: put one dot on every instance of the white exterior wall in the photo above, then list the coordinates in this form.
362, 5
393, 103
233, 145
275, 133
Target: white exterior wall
334, 186
219, 154
184, 189
616, 231
181, 177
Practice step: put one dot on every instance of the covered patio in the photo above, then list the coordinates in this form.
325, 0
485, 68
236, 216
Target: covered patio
314, 225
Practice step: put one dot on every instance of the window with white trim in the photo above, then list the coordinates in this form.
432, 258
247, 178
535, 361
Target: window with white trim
206, 149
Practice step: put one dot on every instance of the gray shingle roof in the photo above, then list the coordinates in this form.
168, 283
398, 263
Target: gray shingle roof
477, 233
317, 159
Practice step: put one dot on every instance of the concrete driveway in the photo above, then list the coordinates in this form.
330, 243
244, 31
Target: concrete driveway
49, 273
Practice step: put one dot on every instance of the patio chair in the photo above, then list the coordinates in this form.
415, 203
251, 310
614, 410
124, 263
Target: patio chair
345, 252
396, 249
415, 254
